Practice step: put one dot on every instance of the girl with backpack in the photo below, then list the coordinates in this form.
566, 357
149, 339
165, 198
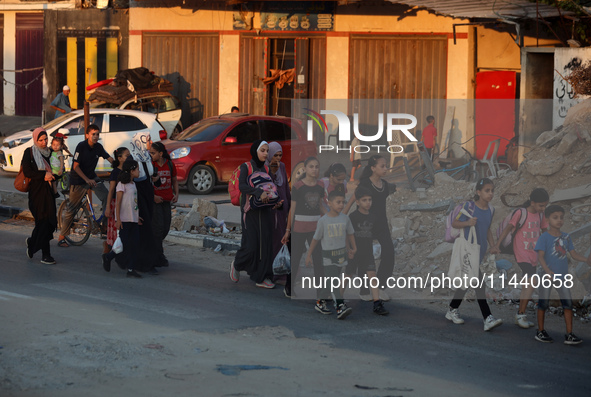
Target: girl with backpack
481, 219
166, 192
526, 225
255, 255
306, 209
334, 179
372, 179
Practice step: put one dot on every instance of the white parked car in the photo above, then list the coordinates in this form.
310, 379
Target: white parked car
165, 106
117, 129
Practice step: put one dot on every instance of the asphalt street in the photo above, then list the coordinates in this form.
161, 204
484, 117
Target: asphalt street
49, 313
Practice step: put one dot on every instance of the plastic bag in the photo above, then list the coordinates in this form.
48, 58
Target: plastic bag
282, 262
118, 245
465, 258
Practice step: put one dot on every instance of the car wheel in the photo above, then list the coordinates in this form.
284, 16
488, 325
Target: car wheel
177, 130
201, 180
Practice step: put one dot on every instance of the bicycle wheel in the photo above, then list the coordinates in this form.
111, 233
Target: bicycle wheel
81, 224
422, 179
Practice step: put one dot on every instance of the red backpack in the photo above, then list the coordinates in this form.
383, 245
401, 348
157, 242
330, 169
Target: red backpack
234, 183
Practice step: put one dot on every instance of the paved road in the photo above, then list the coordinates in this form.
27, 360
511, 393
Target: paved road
74, 329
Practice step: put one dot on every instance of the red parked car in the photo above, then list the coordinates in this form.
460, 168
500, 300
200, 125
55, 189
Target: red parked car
209, 151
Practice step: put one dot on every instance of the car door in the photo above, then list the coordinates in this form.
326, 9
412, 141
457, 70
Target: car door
122, 128
169, 113
236, 145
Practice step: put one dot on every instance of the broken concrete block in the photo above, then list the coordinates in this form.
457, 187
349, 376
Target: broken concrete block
438, 206
567, 143
400, 227
191, 221
571, 194
441, 178
544, 166
205, 208
177, 222
549, 138
441, 249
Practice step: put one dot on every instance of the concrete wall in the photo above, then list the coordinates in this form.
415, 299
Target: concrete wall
383, 19
498, 50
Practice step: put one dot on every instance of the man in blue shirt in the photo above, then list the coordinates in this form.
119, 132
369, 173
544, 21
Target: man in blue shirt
61, 103
83, 177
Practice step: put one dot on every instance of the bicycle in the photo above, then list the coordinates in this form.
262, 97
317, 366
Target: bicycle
467, 172
84, 221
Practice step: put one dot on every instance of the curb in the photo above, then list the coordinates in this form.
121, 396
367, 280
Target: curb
184, 238
10, 212
202, 241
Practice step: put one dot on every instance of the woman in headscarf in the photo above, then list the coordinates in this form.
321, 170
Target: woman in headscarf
255, 255
279, 176
36, 166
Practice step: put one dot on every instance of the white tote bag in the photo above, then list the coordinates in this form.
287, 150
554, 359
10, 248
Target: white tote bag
465, 258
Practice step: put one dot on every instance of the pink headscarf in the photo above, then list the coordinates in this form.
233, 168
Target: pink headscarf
39, 153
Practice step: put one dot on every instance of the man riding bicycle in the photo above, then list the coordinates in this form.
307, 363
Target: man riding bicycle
83, 177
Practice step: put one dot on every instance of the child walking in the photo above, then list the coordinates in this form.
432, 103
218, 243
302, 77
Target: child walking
166, 192
481, 219
127, 216
306, 209
336, 234
120, 155
334, 179
552, 247
372, 179
429, 134
363, 261
527, 224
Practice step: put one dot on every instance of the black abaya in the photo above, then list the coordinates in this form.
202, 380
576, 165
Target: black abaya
41, 205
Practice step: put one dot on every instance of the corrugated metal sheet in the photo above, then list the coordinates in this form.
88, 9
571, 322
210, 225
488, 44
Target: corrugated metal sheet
497, 9
29, 54
310, 57
191, 63
254, 62
397, 75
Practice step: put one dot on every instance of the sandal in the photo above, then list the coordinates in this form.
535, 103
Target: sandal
63, 243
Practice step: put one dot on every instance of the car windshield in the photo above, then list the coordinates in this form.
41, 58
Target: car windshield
57, 121
203, 132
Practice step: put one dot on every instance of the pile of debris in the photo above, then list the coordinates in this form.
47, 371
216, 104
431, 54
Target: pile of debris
560, 163
127, 84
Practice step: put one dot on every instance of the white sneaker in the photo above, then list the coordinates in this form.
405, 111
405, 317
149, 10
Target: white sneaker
234, 274
266, 284
384, 295
367, 298
530, 323
521, 320
492, 322
454, 315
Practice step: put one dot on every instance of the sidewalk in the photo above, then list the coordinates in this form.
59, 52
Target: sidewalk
11, 124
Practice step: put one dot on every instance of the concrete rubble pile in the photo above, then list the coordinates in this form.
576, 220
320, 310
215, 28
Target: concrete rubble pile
560, 162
